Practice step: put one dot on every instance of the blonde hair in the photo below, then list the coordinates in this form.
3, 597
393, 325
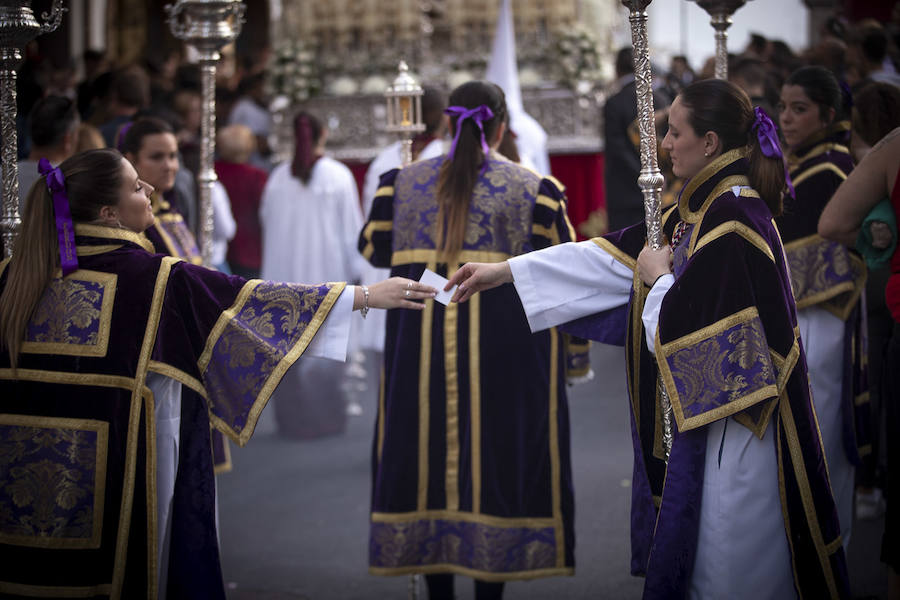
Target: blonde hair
235, 143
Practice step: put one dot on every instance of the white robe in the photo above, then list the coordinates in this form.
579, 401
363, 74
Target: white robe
330, 342
372, 330
822, 334
742, 547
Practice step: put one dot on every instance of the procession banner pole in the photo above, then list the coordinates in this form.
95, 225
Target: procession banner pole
650, 179
720, 12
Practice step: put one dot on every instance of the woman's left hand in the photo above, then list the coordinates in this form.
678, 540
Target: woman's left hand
396, 292
653, 263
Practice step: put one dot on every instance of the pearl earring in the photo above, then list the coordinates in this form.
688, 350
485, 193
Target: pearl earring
706, 154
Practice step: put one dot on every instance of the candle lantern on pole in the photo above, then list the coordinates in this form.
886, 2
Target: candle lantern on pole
404, 110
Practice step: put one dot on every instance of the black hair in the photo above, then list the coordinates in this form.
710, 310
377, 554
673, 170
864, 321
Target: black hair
820, 85
51, 119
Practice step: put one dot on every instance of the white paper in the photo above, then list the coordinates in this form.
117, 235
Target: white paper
431, 278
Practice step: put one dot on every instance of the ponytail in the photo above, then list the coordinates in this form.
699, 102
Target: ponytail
93, 179
307, 135
460, 171
766, 176
34, 260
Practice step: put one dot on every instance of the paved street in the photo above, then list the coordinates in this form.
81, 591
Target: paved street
293, 515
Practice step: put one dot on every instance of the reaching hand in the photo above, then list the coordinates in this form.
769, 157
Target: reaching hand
653, 263
477, 277
396, 292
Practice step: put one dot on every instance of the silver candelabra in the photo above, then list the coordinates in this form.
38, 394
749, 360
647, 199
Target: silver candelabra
17, 27
207, 25
404, 110
720, 12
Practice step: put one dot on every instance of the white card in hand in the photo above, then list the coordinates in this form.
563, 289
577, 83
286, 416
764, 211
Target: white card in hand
431, 278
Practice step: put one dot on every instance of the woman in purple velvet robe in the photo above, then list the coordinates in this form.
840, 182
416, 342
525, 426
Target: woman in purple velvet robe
93, 358
471, 469
741, 507
827, 278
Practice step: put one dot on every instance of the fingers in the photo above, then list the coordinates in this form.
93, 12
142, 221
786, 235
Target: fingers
463, 273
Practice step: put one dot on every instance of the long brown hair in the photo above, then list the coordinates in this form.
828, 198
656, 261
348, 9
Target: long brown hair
457, 177
93, 180
722, 107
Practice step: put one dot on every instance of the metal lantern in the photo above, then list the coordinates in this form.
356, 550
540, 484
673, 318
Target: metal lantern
720, 12
404, 110
207, 25
650, 179
17, 27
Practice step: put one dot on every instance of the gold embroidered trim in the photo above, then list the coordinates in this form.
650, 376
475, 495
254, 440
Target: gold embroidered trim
95, 250
548, 232
475, 397
548, 202
370, 228
553, 418
114, 233
559, 184
101, 428
387, 190
241, 438
613, 251
223, 320
466, 517
424, 399
796, 453
177, 375
50, 591
861, 399
723, 186
227, 466
742, 230
854, 287
425, 255
474, 573
798, 159
702, 177
171, 248
108, 281
451, 385
664, 350
816, 169
3, 264
568, 222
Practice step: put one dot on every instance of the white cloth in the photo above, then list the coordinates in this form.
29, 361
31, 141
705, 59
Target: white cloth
531, 139
223, 223
742, 548
371, 336
330, 342
822, 334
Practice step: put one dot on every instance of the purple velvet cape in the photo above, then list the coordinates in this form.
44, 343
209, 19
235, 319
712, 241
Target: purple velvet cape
828, 274
77, 428
470, 467
727, 350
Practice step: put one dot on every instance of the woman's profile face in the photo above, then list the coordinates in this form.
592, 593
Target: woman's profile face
798, 116
157, 160
686, 149
134, 211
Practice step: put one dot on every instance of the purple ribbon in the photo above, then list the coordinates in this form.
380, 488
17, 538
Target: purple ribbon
479, 115
767, 135
65, 230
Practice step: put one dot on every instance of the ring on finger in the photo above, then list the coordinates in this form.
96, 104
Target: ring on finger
409, 285
407, 293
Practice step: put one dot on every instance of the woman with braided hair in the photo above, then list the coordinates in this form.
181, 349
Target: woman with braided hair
740, 505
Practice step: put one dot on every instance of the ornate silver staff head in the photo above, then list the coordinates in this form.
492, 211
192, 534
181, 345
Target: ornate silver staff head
720, 12
404, 109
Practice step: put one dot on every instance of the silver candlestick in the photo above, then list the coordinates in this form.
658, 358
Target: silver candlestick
404, 110
17, 27
207, 25
720, 12
650, 179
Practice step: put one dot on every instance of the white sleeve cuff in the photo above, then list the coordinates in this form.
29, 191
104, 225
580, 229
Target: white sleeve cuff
333, 337
652, 305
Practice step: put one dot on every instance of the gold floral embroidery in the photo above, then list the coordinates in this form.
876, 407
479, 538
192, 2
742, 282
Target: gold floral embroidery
820, 270
74, 316
53, 491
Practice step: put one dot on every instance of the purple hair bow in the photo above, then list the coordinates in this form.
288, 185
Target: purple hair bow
479, 115
768, 142
65, 230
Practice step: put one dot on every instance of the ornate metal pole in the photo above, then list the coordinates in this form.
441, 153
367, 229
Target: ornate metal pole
650, 179
720, 12
207, 25
404, 110
17, 27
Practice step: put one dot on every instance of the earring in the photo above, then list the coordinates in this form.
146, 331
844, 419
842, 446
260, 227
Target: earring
706, 154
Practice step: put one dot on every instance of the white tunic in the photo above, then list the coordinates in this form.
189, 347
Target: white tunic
822, 334
742, 548
330, 342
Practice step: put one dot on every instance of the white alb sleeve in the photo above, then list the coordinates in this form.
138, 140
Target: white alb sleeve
652, 304
569, 281
333, 337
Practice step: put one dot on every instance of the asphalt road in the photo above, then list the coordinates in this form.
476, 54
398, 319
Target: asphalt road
293, 515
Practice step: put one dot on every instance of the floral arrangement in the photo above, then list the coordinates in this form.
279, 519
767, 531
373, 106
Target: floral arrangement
577, 58
293, 73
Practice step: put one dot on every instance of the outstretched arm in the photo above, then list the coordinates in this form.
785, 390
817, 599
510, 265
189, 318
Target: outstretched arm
477, 277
